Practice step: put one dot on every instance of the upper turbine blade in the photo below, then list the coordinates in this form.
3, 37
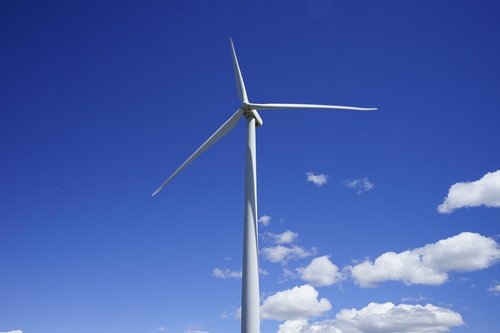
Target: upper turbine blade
240, 84
283, 106
223, 130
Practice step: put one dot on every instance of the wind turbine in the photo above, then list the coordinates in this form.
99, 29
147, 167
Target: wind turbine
250, 316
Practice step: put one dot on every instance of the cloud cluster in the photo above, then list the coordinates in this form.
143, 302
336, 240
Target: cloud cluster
482, 192
283, 254
14, 331
320, 272
317, 179
265, 220
431, 263
381, 318
298, 302
226, 273
495, 289
359, 185
283, 238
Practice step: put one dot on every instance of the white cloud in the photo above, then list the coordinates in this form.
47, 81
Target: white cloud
431, 263
226, 273
320, 272
298, 302
14, 331
288, 274
318, 180
381, 318
161, 328
293, 326
419, 298
359, 185
485, 191
265, 220
283, 238
231, 314
495, 289
284, 254
194, 328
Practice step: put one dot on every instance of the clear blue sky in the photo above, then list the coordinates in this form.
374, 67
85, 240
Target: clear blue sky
101, 100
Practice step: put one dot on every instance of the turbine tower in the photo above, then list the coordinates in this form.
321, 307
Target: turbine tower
250, 316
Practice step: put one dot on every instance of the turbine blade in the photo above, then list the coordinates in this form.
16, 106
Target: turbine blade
240, 84
219, 134
284, 106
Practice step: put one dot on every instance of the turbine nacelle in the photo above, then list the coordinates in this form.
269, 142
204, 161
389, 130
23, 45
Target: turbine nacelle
248, 112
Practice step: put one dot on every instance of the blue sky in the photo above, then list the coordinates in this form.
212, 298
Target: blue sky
100, 102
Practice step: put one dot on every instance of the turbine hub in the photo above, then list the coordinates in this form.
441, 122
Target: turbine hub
249, 113
246, 108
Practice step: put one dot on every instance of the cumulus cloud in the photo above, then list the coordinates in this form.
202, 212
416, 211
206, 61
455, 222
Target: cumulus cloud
284, 254
317, 179
14, 331
265, 220
294, 326
381, 318
298, 302
495, 289
482, 192
226, 273
431, 263
320, 272
283, 238
359, 185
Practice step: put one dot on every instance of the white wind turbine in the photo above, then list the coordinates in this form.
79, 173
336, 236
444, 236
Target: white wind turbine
250, 316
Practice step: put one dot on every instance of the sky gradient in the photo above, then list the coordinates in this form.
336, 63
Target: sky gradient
100, 102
